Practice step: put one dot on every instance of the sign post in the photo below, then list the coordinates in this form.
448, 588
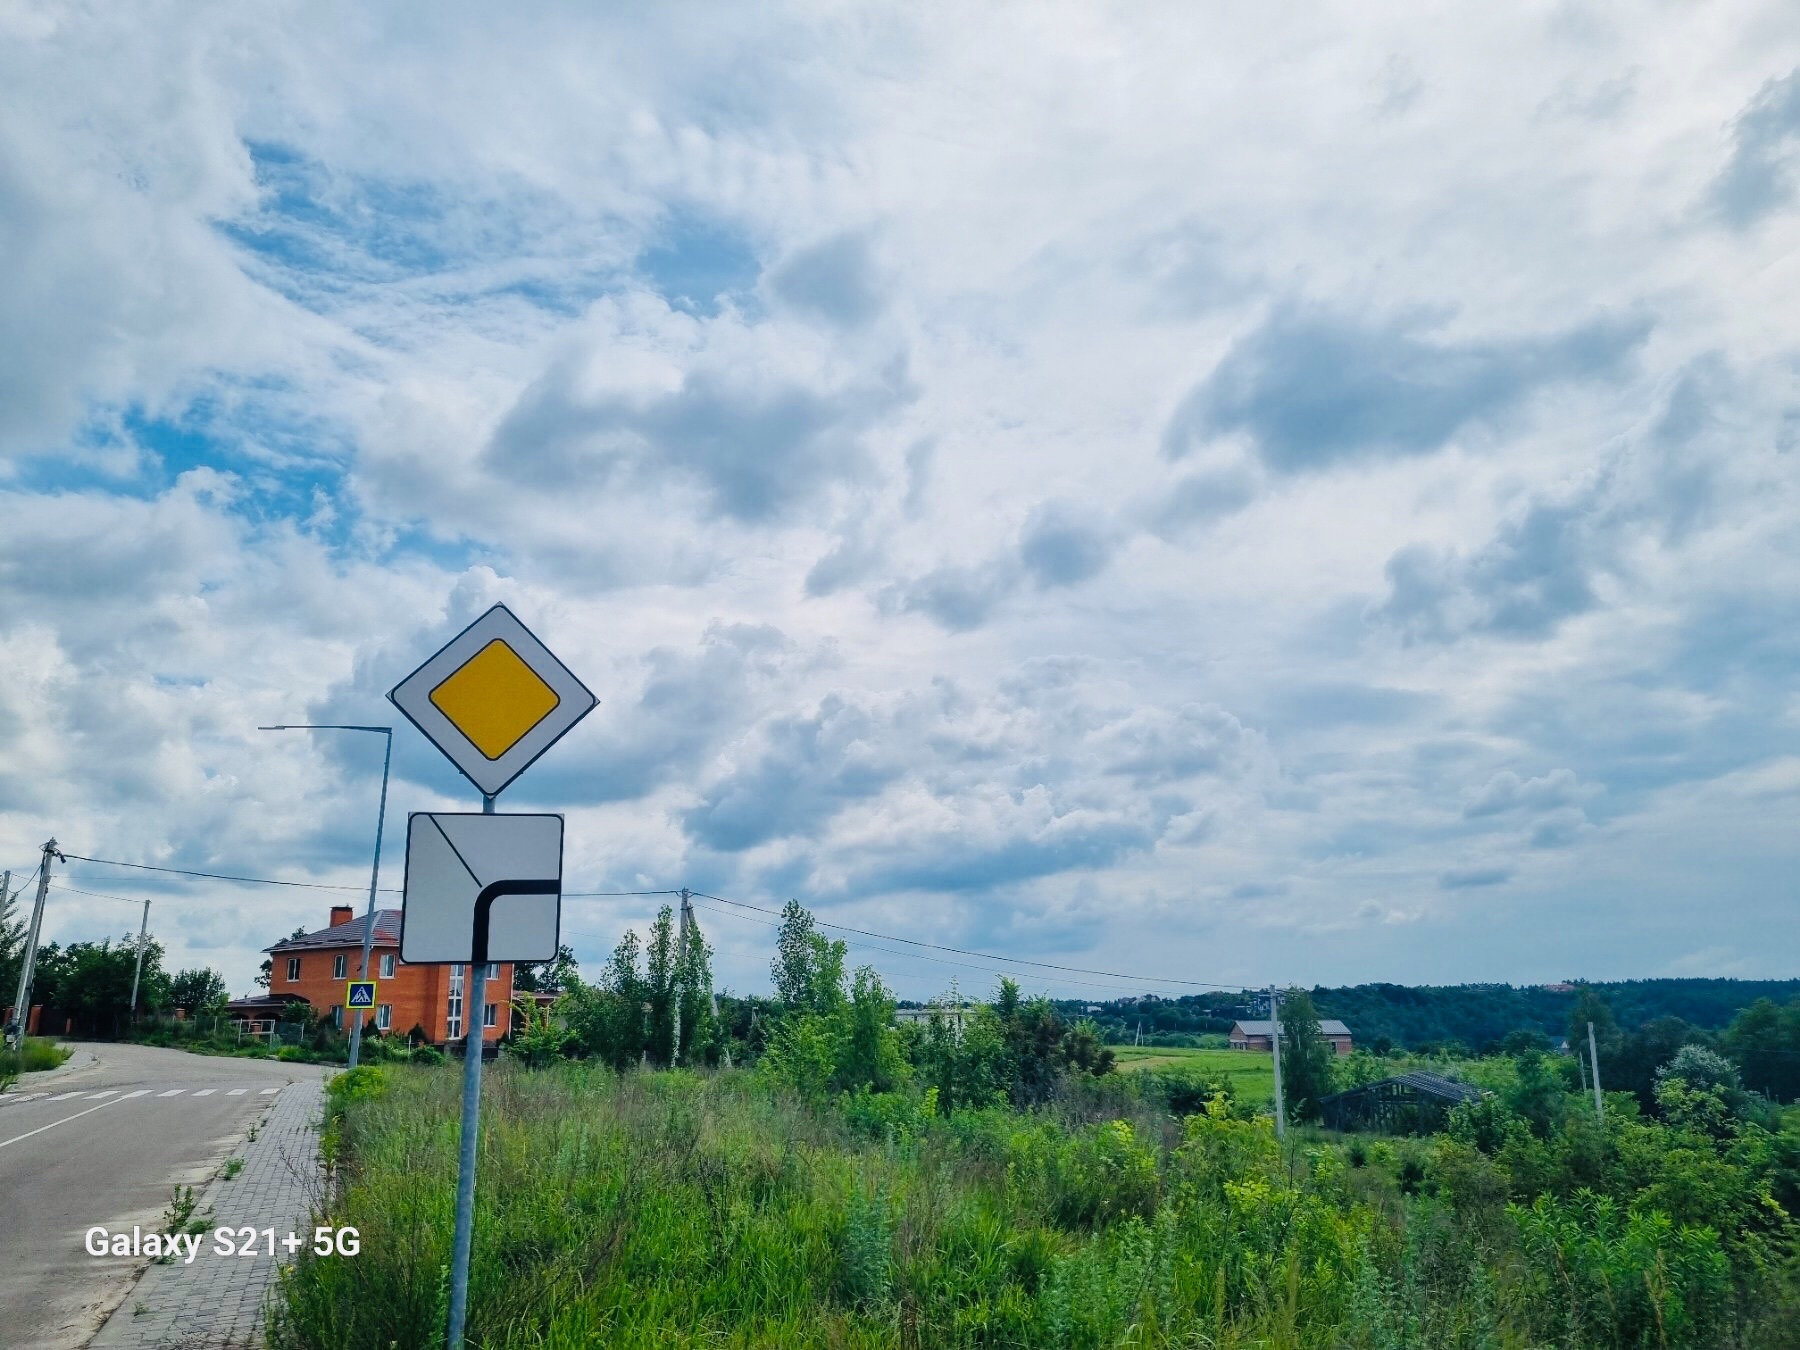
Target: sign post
484, 888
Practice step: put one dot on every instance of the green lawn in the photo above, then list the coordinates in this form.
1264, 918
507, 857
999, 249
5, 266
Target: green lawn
1252, 1073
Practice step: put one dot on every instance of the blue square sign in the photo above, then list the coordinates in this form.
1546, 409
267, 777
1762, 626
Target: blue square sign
360, 994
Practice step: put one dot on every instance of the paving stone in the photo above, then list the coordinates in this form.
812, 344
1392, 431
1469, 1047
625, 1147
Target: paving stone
221, 1302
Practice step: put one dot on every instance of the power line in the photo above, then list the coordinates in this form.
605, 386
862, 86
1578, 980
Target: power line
220, 876
986, 956
1022, 962
99, 895
315, 885
584, 895
1129, 982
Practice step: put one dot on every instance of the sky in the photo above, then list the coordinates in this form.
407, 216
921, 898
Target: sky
1200, 493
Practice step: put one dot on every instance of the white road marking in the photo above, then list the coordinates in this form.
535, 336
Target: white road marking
53, 1124
64, 1096
206, 1092
22, 1097
141, 1092
237, 1092
172, 1092
95, 1096
268, 1092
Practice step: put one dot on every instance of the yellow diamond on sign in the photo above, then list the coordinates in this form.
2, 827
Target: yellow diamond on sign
494, 698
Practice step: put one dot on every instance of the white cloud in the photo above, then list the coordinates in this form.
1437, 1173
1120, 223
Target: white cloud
812, 384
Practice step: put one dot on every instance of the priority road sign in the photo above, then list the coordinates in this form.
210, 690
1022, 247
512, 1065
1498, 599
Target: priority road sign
493, 699
360, 994
481, 888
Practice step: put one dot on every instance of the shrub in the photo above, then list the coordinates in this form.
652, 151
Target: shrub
427, 1054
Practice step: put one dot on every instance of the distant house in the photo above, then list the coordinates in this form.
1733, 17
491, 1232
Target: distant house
315, 968
1409, 1103
955, 1017
1253, 1035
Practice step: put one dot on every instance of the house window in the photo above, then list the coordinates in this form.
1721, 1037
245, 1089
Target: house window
387, 965
453, 1026
337, 1016
384, 1016
492, 973
339, 964
293, 970
490, 1015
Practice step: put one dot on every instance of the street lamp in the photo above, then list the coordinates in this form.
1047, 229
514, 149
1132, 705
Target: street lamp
375, 871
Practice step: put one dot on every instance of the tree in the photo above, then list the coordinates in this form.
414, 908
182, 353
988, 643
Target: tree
808, 968
1763, 1040
547, 977
12, 945
1305, 1056
266, 972
1590, 1007
660, 960
202, 987
539, 1040
91, 981
693, 996
870, 1057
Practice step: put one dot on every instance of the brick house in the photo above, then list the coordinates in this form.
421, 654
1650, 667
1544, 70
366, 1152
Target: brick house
314, 968
1261, 1035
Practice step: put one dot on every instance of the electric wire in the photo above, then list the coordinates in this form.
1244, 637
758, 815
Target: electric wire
1026, 965
1126, 982
221, 876
987, 956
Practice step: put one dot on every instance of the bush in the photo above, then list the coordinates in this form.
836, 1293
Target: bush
427, 1054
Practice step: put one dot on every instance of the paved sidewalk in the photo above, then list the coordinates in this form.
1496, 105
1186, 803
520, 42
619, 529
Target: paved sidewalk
220, 1301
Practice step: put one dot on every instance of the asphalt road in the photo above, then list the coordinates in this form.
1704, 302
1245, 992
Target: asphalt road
140, 1122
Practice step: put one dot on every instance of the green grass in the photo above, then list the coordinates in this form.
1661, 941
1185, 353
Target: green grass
686, 1210
1251, 1072
37, 1054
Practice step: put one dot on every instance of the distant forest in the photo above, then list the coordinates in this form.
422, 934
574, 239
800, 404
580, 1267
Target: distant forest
1471, 1017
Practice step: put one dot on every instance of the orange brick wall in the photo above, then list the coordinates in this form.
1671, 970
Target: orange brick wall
419, 995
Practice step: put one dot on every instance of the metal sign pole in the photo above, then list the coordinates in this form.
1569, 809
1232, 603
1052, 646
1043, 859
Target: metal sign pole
473, 1009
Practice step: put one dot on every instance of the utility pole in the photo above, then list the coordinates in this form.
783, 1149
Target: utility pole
138, 970
1594, 1055
28, 966
5, 895
675, 982
1275, 1044
1581, 1064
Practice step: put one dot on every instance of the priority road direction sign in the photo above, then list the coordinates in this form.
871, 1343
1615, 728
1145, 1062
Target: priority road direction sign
360, 994
481, 888
493, 699
484, 888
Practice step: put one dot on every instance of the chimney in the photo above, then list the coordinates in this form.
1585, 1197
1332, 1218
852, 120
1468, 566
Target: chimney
341, 914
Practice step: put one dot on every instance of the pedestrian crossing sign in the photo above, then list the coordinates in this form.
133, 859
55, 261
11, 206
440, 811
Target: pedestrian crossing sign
361, 994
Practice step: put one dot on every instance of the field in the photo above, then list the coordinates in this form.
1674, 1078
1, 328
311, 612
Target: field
1251, 1072
688, 1208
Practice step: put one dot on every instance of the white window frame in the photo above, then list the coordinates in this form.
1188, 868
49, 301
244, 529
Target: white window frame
384, 1016
293, 970
340, 967
387, 965
490, 1015
453, 1008
337, 1016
